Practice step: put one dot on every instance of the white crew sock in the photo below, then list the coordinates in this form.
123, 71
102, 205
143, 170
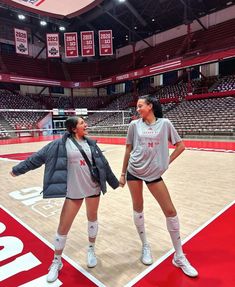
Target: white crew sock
57, 257
92, 244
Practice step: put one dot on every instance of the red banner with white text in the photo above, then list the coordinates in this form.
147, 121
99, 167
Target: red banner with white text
53, 48
105, 42
71, 45
87, 43
21, 41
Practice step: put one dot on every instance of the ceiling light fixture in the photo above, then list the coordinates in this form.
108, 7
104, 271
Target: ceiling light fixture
43, 23
21, 16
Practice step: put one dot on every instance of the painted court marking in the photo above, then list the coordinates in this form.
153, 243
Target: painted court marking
166, 275
24, 250
25, 257
161, 274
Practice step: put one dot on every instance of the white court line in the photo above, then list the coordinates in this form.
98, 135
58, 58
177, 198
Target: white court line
8, 159
210, 149
78, 267
171, 251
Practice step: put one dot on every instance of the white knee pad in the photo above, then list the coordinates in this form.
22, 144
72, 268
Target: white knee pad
92, 229
59, 241
138, 218
172, 223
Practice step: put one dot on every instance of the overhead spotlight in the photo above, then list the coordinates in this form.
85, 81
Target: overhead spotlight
62, 28
153, 20
121, 1
135, 27
21, 16
43, 23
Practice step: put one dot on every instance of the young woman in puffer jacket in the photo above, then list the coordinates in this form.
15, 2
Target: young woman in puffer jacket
67, 174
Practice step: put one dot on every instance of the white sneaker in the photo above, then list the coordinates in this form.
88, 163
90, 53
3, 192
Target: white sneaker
183, 263
54, 269
146, 256
91, 258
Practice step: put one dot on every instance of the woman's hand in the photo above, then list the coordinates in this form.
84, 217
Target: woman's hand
122, 180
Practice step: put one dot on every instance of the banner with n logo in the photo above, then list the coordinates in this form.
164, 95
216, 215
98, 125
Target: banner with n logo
71, 44
87, 43
105, 42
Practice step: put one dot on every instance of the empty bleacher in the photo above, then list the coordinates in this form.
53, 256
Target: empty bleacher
204, 117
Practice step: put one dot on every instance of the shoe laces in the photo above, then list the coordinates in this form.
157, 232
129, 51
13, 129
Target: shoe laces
182, 261
146, 250
55, 265
91, 251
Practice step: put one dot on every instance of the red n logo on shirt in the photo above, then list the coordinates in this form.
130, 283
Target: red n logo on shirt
82, 162
150, 144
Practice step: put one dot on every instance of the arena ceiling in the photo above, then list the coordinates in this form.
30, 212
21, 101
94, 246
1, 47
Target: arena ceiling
131, 20
54, 8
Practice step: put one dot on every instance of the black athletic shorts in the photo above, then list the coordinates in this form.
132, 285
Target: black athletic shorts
95, 195
129, 176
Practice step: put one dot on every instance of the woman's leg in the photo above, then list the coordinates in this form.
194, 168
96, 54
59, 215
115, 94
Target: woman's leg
92, 204
136, 190
68, 213
161, 194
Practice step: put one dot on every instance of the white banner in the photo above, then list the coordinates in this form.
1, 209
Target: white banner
53, 48
21, 42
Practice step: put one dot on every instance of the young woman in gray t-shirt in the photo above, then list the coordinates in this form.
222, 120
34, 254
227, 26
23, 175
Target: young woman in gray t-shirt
67, 173
146, 159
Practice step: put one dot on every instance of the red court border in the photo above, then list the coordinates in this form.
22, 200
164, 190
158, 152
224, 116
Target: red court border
76, 272
176, 276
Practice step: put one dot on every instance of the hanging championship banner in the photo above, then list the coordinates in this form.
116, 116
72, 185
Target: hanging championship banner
53, 49
21, 41
87, 43
105, 42
71, 45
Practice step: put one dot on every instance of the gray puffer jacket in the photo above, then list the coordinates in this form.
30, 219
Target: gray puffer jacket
54, 156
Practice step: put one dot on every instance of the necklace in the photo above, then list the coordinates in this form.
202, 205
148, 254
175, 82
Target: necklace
150, 123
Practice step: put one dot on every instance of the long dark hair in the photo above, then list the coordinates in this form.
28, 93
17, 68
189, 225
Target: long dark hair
157, 108
71, 124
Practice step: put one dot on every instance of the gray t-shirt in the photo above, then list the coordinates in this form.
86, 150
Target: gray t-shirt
149, 157
79, 184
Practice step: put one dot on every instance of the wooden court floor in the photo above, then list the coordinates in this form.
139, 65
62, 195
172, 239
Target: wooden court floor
201, 183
